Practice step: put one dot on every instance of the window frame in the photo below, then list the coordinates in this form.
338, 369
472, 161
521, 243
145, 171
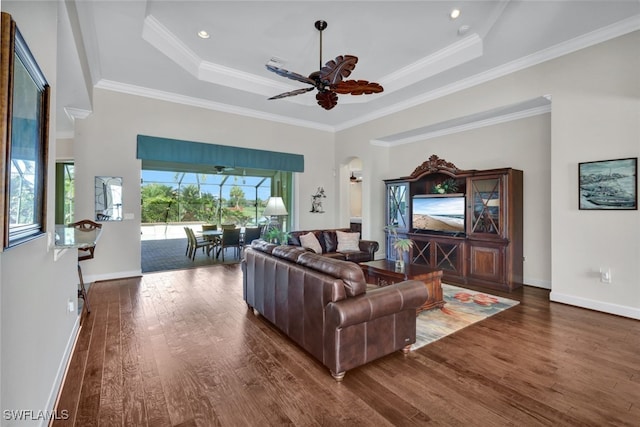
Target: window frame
14, 52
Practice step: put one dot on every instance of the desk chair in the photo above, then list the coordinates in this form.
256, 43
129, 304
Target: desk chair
84, 254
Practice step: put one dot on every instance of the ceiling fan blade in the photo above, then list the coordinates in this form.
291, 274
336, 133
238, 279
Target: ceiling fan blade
293, 93
357, 87
327, 99
335, 70
290, 74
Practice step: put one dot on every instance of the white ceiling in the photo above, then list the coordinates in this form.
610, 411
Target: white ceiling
412, 48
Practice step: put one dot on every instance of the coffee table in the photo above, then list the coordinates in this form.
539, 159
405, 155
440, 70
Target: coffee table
383, 273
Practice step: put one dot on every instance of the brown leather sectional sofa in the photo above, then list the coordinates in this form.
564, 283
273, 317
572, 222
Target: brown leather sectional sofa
323, 305
328, 240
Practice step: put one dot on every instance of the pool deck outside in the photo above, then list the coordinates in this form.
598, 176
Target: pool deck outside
163, 248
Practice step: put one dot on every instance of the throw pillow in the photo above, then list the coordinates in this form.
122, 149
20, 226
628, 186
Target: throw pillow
310, 241
348, 241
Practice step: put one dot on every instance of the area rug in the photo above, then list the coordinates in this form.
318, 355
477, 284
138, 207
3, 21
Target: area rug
463, 307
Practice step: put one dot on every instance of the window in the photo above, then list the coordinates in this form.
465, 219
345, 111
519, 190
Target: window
24, 130
65, 195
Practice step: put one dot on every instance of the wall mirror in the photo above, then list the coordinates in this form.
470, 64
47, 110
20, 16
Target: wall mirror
108, 198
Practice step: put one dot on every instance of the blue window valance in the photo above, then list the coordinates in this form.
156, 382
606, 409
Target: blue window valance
155, 150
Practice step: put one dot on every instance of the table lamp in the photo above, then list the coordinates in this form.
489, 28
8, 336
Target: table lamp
274, 210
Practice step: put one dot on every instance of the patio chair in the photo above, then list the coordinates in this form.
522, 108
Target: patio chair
250, 234
230, 238
195, 243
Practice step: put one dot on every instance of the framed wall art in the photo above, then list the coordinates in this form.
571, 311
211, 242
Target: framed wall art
609, 184
24, 123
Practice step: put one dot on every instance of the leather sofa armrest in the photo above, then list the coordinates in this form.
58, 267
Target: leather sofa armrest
410, 294
370, 246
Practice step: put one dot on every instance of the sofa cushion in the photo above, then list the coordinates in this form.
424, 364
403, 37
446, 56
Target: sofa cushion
350, 273
263, 246
348, 241
290, 253
330, 240
310, 241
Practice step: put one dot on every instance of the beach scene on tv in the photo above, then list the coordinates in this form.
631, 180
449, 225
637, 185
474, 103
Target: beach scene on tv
439, 213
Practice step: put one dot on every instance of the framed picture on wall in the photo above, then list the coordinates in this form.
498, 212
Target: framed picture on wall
24, 124
609, 184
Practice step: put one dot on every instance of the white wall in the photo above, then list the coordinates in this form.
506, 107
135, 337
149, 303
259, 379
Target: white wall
105, 144
37, 331
594, 116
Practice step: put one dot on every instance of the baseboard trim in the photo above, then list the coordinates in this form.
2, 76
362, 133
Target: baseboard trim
112, 276
538, 283
56, 388
618, 310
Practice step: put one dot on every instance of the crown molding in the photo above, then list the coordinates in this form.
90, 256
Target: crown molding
451, 56
172, 47
595, 37
475, 124
209, 105
77, 113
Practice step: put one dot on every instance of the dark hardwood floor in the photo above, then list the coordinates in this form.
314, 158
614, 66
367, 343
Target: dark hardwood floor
180, 348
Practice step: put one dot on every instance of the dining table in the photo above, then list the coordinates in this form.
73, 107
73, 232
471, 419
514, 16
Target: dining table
215, 236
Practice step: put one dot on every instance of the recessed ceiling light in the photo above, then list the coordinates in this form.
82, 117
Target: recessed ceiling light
203, 34
455, 13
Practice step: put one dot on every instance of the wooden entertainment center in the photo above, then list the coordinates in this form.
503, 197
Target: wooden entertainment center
480, 245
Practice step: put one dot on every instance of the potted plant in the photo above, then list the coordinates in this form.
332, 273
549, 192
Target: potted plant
401, 245
275, 235
445, 187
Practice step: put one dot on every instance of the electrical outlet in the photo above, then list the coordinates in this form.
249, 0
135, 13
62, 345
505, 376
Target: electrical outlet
605, 275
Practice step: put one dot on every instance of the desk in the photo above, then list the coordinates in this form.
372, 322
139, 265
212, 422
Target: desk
75, 238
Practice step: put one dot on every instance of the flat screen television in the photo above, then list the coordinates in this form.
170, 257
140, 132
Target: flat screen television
438, 212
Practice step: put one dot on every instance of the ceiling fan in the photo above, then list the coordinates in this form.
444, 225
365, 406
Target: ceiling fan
219, 169
328, 80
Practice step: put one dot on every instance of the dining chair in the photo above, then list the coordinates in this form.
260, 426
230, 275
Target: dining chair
188, 251
214, 239
85, 254
230, 238
250, 234
196, 243
228, 226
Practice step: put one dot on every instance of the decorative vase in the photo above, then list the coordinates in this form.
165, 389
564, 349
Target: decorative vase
399, 260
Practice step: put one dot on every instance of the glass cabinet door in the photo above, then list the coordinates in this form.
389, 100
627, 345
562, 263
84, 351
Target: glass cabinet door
486, 214
398, 205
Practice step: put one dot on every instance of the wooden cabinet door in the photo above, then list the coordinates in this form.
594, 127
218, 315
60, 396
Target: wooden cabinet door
486, 206
486, 262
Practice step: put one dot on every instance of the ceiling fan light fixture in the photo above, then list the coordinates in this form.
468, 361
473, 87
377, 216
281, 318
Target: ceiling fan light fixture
329, 79
353, 178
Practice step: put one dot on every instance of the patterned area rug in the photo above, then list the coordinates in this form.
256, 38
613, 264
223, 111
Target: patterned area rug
463, 307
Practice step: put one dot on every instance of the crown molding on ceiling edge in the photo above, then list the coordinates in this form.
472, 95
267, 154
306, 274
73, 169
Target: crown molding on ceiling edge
599, 36
595, 37
464, 127
209, 105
